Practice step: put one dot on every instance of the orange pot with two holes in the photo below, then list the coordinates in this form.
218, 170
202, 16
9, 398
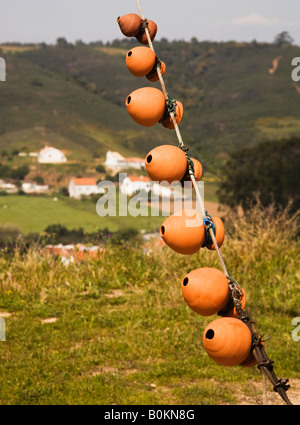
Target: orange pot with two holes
153, 74
141, 36
183, 232
227, 341
140, 61
168, 122
146, 106
219, 233
206, 291
166, 163
130, 24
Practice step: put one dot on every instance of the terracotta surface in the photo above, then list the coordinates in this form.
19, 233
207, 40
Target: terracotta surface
227, 341
146, 106
141, 36
166, 163
205, 290
130, 24
183, 233
153, 76
140, 61
220, 233
168, 122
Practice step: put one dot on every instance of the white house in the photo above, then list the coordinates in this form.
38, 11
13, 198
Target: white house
50, 155
116, 162
131, 185
83, 187
163, 191
28, 187
8, 187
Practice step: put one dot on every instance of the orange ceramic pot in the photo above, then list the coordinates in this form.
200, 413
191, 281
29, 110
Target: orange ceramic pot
233, 312
166, 163
153, 75
250, 361
140, 60
168, 122
141, 36
206, 291
183, 233
220, 233
146, 106
197, 169
227, 341
130, 24
197, 173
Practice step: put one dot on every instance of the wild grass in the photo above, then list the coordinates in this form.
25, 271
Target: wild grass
121, 331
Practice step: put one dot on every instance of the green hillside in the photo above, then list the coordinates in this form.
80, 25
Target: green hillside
74, 98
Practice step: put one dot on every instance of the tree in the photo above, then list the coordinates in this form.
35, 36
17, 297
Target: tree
62, 42
283, 38
270, 170
100, 168
19, 173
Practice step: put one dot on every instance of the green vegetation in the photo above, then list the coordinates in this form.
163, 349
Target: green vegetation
35, 213
120, 331
270, 171
72, 96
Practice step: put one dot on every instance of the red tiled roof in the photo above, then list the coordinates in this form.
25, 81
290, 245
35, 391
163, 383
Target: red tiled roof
134, 159
139, 179
84, 182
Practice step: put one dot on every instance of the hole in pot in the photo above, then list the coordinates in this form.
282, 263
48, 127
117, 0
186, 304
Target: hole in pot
149, 159
128, 100
162, 230
209, 334
185, 281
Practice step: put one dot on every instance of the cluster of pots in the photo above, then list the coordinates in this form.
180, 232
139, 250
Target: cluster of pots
227, 339
146, 106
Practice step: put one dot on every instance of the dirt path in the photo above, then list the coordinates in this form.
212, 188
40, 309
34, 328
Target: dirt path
273, 399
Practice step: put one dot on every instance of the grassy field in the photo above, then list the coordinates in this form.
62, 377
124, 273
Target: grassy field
117, 330
35, 213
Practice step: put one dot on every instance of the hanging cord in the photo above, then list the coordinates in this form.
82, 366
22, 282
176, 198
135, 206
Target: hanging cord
181, 143
264, 363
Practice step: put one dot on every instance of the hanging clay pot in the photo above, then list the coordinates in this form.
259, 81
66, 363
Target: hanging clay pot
233, 312
227, 341
219, 233
168, 122
197, 172
140, 61
146, 106
141, 36
153, 75
183, 232
197, 169
130, 24
166, 163
250, 361
206, 291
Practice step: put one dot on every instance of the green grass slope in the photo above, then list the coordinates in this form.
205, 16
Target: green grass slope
230, 98
117, 330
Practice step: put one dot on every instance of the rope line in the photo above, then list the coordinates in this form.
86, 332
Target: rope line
264, 363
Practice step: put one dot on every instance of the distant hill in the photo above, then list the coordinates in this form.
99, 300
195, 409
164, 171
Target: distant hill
235, 95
